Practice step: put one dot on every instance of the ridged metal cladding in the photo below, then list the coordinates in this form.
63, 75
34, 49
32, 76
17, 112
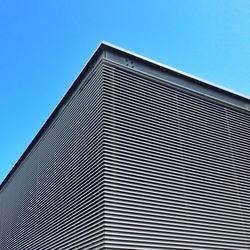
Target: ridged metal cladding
133, 163
177, 167
55, 199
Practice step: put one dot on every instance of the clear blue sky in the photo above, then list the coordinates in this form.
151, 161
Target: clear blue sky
45, 43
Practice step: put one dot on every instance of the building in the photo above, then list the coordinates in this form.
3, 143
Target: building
136, 156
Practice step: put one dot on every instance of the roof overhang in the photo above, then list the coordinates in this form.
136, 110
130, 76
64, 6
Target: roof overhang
110, 53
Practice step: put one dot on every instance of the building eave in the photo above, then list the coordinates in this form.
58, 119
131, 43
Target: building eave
172, 76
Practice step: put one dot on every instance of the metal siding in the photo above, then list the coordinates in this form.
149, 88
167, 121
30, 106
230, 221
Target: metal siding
177, 170
55, 198
132, 163
240, 142
79, 146
18, 206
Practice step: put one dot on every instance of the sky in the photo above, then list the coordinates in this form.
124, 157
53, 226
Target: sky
44, 44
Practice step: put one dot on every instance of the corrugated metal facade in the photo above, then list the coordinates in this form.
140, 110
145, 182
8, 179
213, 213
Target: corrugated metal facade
133, 162
177, 172
54, 200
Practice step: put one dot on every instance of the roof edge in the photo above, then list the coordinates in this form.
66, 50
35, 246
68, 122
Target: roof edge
104, 51
87, 69
107, 45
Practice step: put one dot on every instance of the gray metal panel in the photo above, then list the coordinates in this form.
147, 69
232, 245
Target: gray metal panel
177, 172
175, 77
148, 68
132, 161
74, 200
240, 143
18, 210
54, 200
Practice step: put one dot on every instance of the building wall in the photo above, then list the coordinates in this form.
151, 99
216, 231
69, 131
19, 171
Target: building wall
133, 163
177, 167
55, 198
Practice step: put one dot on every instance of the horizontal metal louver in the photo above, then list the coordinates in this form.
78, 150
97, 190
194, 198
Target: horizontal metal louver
177, 167
55, 199
132, 160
